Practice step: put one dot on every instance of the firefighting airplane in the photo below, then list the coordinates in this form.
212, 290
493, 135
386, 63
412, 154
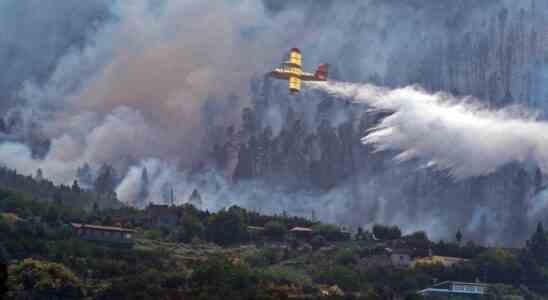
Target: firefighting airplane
292, 71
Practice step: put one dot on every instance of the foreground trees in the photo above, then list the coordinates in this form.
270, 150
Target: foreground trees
35, 279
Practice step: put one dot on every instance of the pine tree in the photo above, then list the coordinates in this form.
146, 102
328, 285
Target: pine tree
75, 186
95, 208
2, 125
39, 175
84, 175
106, 181
538, 245
167, 192
538, 179
195, 199
144, 190
171, 196
458, 236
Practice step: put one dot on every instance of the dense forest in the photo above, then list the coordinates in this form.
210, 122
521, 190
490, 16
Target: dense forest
213, 256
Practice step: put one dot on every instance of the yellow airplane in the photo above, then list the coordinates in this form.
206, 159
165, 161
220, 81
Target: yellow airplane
292, 71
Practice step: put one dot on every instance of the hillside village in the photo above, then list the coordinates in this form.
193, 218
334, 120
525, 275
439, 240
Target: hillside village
180, 252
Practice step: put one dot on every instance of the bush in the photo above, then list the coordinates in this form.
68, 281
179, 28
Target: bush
262, 258
153, 234
44, 280
344, 277
318, 241
386, 232
274, 230
284, 275
226, 227
220, 275
345, 257
329, 232
190, 228
4, 255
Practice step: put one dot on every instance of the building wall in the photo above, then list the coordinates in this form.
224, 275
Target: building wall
400, 260
104, 235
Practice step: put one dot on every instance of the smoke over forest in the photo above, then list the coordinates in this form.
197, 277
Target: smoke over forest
155, 96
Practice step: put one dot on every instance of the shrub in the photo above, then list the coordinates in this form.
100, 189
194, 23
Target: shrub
345, 257
386, 232
226, 227
42, 279
153, 234
318, 241
344, 277
329, 232
284, 275
190, 228
274, 230
263, 257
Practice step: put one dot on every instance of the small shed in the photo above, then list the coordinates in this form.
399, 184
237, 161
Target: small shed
255, 231
400, 257
103, 233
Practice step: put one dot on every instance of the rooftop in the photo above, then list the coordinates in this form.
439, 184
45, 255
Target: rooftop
99, 227
301, 229
255, 228
399, 251
440, 259
461, 283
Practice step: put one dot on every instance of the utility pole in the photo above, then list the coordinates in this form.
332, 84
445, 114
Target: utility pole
171, 195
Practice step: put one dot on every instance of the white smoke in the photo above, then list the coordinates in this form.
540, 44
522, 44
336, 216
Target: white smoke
449, 133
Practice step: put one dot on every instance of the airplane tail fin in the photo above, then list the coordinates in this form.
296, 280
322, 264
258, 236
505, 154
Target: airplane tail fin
321, 72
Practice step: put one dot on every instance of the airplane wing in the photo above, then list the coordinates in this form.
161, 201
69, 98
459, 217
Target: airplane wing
295, 58
294, 84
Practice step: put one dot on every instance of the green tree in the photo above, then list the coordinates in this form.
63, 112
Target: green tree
75, 186
498, 265
329, 232
343, 276
227, 227
43, 280
4, 255
105, 183
52, 215
274, 230
538, 245
189, 228
502, 291
218, 276
345, 257
386, 232
458, 236
418, 241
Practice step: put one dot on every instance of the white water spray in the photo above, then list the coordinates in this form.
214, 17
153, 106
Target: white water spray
447, 132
